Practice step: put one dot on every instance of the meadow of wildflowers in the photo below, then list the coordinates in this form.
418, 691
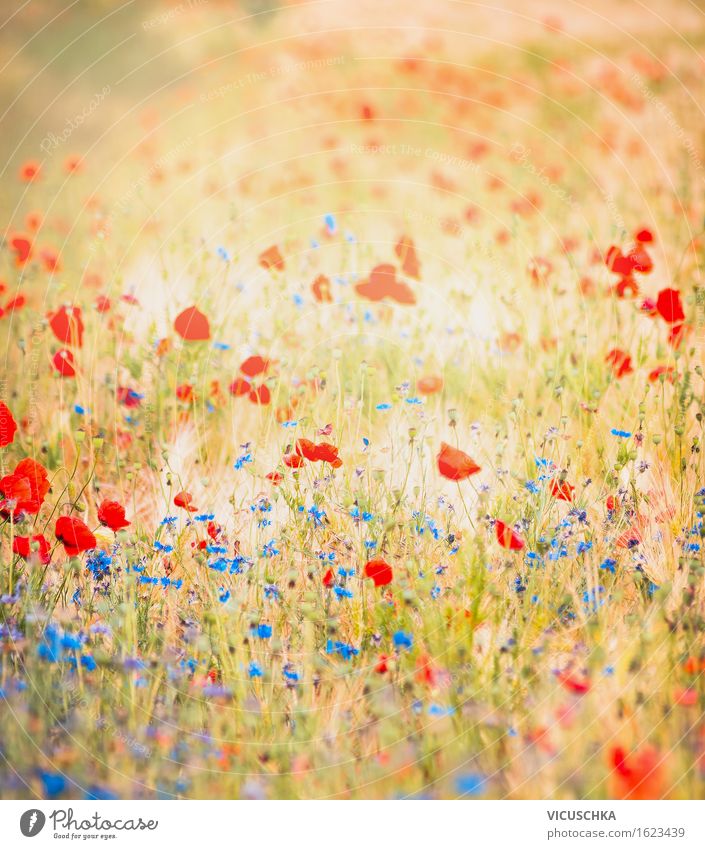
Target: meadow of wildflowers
352, 401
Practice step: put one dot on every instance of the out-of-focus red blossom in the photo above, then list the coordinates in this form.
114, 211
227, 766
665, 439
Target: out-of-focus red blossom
102, 303
72, 163
192, 325
67, 325
644, 236
254, 365
328, 578
74, 534
50, 260
455, 464
638, 775
30, 171
272, 258
406, 253
669, 306
328, 453
677, 334
648, 307
184, 500
275, 477
382, 664
382, 283
185, 393
21, 246
240, 386
379, 571
507, 537
686, 696
34, 547
620, 361
321, 290
578, 685
25, 489
15, 303
562, 490
430, 384
128, 397
293, 461
8, 425
612, 503
260, 395
668, 371
306, 449
426, 672
112, 515
63, 361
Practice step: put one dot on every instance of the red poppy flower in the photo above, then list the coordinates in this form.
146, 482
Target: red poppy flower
455, 464
184, 499
271, 258
185, 393
612, 502
644, 236
8, 426
64, 363
293, 461
562, 490
306, 449
379, 571
30, 170
38, 478
15, 303
112, 515
74, 535
406, 253
575, 684
22, 248
430, 384
36, 546
383, 283
67, 325
382, 666
254, 365
507, 538
329, 578
16, 493
321, 290
50, 260
639, 775
668, 371
260, 395
669, 306
677, 334
240, 386
327, 453
192, 325
620, 361
102, 303
275, 478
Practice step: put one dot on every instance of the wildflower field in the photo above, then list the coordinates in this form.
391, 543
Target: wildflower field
352, 400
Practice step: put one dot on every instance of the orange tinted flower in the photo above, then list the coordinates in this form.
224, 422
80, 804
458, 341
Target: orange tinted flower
455, 464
